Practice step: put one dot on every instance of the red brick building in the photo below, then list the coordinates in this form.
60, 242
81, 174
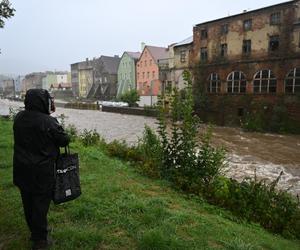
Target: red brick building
253, 56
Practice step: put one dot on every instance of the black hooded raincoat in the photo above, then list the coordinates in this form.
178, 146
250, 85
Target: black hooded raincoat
38, 137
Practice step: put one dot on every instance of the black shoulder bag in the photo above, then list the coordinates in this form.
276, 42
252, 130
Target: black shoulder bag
67, 182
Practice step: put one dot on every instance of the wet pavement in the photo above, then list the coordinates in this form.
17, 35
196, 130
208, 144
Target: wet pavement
268, 154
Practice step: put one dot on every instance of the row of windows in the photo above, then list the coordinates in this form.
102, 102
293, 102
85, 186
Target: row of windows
127, 64
246, 48
264, 81
103, 79
275, 19
144, 74
140, 64
126, 75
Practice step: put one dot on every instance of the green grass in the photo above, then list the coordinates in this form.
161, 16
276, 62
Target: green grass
121, 209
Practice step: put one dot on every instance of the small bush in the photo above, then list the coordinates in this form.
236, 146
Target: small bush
118, 149
150, 150
253, 122
90, 137
131, 97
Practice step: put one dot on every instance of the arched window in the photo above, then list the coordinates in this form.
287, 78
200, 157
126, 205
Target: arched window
236, 82
214, 83
264, 82
292, 81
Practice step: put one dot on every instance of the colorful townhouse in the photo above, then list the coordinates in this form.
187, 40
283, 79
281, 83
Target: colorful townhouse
127, 72
149, 84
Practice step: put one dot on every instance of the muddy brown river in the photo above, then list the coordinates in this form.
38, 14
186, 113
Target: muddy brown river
268, 154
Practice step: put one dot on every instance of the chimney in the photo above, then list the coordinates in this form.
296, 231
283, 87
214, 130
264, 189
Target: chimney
142, 46
116, 56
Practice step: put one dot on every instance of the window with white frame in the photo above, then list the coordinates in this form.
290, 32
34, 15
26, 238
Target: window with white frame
292, 81
214, 83
264, 82
236, 82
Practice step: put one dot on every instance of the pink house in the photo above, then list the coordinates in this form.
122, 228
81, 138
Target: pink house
147, 70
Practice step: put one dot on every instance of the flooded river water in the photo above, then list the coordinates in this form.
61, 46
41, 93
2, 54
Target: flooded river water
268, 154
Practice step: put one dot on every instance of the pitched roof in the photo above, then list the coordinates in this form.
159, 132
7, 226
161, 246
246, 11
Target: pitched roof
110, 63
158, 53
134, 55
185, 41
249, 12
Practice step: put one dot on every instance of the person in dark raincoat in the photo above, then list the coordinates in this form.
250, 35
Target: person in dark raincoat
37, 138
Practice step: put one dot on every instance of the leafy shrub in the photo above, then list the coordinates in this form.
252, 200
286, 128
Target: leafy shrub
90, 137
210, 160
257, 201
131, 97
187, 163
146, 154
150, 150
118, 149
253, 122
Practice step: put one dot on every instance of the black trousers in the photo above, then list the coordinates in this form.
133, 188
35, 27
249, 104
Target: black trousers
36, 207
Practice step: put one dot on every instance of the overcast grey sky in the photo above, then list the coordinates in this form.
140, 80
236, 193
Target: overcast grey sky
52, 34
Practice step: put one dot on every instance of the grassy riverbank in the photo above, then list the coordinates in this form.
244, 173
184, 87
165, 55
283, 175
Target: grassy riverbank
120, 209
